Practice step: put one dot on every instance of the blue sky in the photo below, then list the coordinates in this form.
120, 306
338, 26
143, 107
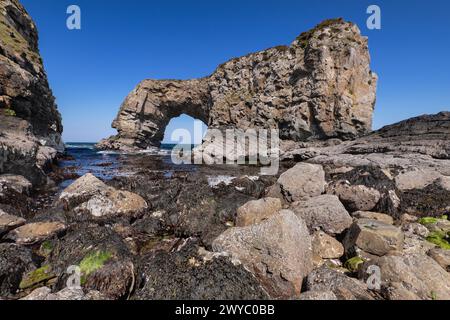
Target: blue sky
123, 42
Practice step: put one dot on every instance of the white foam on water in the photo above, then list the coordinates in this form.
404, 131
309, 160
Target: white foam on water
214, 181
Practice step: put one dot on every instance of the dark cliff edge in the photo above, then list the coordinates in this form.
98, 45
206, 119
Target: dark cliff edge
30, 124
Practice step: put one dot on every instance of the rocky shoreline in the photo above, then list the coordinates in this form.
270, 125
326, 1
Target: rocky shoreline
351, 215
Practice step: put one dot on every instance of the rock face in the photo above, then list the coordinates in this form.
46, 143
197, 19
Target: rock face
320, 86
278, 251
30, 125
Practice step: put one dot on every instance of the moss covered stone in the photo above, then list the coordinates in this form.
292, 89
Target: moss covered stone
440, 239
354, 263
36, 277
93, 262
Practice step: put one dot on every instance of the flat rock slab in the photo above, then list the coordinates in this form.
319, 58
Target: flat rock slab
277, 251
9, 222
325, 213
36, 232
374, 237
15, 182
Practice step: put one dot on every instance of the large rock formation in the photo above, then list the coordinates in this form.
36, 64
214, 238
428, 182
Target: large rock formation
319, 87
30, 125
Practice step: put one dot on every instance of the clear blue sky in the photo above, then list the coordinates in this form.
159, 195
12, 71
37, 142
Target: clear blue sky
123, 42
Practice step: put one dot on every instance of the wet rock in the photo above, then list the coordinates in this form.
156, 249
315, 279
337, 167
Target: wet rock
103, 257
318, 296
33, 233
114, 203
82, 190
189, 273
9, 222
326, 247
67, 294
278, 251
302, 182
344, 287
256, 211
373, 216
16, 183
441, 256
15, 261
416, 273
373, 237
323, 213
355, 198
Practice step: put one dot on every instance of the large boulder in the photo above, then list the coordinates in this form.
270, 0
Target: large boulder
278, 251
374, 237
356, 197
285, 88
323, 213
413, 276
302, 182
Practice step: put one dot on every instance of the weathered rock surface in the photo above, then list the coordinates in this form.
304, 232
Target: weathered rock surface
30, 124
374, 237
441, 256
302, 182
326, 247
256, 211
36, 232
344, 287
323, 213
318, 296
355, 197
404, 277
193, 274
15, 261
278, 251
9, 222
67, 294
373, 216
320, 86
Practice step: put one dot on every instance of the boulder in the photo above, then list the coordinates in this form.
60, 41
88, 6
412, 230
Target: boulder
344, 287
323, 213
302, 182
15, 182
191, 273
257, 211
356, 197
15, 261
278, 251
114, 203
82, 190
373, 237
33, 233
417, 274
9, 222
326, 247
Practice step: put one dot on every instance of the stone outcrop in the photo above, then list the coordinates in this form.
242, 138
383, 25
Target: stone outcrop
320, 86
30, 125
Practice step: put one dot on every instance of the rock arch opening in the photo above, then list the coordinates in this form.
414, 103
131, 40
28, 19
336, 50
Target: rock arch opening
184, 127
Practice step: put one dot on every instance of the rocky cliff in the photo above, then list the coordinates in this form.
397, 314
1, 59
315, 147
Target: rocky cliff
30, 124
319, 87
